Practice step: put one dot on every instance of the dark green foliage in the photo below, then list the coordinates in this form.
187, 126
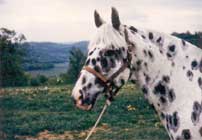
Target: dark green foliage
65, 78
43, 79
11, 53
34, 110
76, 62
195, 38
38, 80
34, 82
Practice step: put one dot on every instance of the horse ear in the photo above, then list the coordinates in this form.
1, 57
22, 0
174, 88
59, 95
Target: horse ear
98, 19
115, 19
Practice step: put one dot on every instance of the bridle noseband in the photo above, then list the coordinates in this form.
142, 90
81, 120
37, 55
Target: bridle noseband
107, 82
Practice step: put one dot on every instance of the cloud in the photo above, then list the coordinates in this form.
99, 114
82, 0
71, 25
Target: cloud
71, 20
2, 2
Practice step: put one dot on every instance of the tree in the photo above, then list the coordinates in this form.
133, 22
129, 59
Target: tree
11, 54
76, 62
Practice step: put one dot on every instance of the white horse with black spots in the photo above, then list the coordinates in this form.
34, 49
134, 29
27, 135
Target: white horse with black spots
166, 68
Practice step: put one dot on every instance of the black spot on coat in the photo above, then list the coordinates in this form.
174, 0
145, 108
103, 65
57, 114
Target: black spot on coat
171, 48
200, 66
145, 89
83, 80
183, 42
171, 95
150, 54
160, 89
190, 74
133, 29
186, 134
93, 61
200, 82
97, 68
151, 36
143, 36
104, 62
194, 64
158, 40
200, 131
166, 79
88, 62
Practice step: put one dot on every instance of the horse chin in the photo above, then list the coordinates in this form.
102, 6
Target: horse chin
84, 107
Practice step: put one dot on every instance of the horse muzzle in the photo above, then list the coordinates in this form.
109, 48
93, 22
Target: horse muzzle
79, 104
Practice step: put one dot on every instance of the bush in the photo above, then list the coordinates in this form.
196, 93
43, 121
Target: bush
34, 82
38, 80
43, 79
65, 78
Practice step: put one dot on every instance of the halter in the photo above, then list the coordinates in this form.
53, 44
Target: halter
107, 82
108, 85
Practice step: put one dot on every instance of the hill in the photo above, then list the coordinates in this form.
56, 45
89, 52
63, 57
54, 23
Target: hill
43, 55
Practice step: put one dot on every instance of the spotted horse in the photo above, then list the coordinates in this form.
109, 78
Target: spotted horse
166, 68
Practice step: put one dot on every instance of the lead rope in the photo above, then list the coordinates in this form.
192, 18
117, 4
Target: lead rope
98, 119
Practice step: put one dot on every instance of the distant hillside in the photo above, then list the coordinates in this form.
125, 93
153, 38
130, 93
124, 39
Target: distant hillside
43, 55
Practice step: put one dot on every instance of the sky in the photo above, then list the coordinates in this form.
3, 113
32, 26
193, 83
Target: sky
72, 20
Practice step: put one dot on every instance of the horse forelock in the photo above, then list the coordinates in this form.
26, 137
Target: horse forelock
107, 37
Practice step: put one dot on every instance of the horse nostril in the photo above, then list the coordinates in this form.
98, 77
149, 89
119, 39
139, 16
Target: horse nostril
81, 97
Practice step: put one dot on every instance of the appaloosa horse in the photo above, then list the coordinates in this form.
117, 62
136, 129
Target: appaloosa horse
166, 68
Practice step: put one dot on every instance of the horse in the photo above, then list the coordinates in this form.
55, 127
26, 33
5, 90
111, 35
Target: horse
167, 69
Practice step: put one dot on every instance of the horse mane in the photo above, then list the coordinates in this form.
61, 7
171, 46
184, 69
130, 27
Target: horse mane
106, 37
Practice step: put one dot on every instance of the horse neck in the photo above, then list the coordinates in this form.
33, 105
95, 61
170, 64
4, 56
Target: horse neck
160, 58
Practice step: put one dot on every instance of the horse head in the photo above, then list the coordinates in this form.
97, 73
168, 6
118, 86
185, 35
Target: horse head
107, 64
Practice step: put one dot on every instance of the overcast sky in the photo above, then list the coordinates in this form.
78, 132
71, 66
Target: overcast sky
72, 20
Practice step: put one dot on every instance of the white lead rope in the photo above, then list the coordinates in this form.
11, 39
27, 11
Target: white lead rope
98, 120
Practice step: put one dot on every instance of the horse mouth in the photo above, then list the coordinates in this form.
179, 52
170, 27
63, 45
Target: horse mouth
84, 107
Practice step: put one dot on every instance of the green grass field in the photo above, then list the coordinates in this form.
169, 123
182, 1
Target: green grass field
37, 113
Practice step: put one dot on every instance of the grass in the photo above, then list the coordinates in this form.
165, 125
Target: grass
30, 111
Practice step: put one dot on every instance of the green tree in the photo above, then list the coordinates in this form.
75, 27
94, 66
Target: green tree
43, 79
34, 82
11, 54
76, 62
